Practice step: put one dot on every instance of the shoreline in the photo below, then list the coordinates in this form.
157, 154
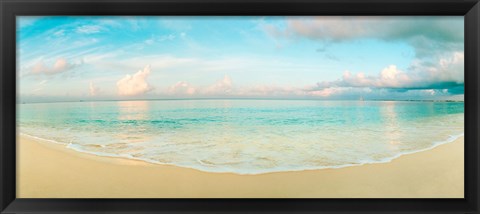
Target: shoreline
437, 172
451, 139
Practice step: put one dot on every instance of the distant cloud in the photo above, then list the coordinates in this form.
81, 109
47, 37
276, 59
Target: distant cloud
221, 87
328, 92
88, 29
59, 66
389, 77
182, 88
136, 84
382, 93
270, 91
391, 81
94, 90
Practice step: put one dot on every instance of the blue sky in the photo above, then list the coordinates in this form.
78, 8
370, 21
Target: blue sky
98, 58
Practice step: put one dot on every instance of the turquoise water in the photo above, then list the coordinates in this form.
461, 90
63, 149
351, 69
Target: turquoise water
246, 136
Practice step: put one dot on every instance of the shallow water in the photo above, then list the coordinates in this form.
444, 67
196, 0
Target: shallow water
246, 136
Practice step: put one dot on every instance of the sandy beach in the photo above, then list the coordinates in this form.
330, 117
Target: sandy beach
46, 170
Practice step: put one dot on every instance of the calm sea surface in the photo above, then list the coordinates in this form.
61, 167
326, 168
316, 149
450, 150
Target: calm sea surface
246, 136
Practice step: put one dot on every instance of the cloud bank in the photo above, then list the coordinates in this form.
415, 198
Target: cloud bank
219, 88
446, 74
437, 41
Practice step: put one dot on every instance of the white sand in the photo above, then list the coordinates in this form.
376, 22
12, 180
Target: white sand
46, 170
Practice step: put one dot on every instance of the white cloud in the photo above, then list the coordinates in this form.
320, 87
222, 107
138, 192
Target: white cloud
221, 87
225, 87
446, 73
449, 67
59, 66
327, 92
150, 41
162, 38
94, 90
389, 77
88, 29
59, 33
136, 84
182, 88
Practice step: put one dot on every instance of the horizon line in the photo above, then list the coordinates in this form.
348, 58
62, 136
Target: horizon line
174, 99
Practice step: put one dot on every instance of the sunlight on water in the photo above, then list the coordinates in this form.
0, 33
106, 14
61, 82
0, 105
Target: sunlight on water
246, 136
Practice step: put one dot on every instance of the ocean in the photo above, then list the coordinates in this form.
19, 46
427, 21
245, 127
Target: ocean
246, 136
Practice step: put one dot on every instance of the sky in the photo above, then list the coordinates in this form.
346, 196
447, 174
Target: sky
173, 57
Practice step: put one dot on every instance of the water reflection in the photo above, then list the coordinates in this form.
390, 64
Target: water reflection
132, 114
392, 127
133, 110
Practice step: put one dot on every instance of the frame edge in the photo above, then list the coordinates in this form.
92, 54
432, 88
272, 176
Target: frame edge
7, 115
472, 101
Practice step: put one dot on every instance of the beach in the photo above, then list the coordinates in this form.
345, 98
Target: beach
48, 170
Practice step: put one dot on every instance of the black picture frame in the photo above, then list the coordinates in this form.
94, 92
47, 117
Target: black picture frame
9, 9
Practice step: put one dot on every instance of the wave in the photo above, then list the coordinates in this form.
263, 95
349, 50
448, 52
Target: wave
211, 167
42, 139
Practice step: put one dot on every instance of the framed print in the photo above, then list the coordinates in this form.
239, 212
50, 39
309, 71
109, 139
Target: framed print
184, 106
231, 107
